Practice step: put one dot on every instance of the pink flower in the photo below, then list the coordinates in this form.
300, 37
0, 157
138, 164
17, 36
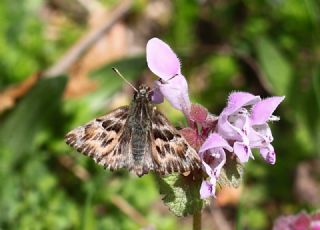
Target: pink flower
233, 123
240, 127
260, 135
164, 63
301, 221
248, 128
213, 156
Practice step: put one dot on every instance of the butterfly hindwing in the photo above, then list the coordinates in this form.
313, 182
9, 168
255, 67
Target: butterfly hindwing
100, 139
170, 150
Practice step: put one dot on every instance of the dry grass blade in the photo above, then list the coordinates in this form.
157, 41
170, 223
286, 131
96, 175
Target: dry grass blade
9, 96
126, 208
76, 169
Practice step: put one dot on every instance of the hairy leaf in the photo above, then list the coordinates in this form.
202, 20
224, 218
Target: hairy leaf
181, 193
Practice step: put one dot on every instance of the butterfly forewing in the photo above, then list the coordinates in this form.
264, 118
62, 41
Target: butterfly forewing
100, 139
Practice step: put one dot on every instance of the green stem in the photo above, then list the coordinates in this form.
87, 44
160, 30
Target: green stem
197, 221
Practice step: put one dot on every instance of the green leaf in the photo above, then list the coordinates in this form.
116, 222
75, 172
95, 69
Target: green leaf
181, 193
231, 173
313, 10
38, 108
88, 219
275, 67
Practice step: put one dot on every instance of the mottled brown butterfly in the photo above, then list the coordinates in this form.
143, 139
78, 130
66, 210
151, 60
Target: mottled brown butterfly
137, 137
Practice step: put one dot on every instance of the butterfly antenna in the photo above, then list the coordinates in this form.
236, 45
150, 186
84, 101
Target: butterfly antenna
120, 75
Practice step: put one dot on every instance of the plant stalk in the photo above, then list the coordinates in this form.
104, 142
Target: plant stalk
197, 221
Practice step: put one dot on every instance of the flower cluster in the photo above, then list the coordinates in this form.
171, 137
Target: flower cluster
240, 127
299, 221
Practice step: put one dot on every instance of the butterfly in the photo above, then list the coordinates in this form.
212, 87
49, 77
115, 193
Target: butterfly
136, 137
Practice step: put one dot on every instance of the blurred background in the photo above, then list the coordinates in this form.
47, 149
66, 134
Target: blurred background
55, 61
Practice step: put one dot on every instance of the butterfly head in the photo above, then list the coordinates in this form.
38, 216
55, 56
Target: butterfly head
144, 92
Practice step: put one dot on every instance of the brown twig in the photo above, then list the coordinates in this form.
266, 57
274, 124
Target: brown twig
9, 96
90, 5
76, 169
88, 40
126, 208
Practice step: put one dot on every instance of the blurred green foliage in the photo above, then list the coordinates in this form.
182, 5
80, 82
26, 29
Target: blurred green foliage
264, 47
25, 43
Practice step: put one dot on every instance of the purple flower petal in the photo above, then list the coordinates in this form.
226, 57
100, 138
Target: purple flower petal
242, 151
262, 111
315, 225
302, 222
207, 189
219, 161
234, 122
260, 136
175, 91
215, 141
230, 131
268, 154
207, 168
239, 99
213, 158
213, 161
162, 61
157, 96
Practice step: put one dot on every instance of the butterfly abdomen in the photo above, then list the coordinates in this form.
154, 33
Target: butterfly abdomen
138, 143
139, 123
